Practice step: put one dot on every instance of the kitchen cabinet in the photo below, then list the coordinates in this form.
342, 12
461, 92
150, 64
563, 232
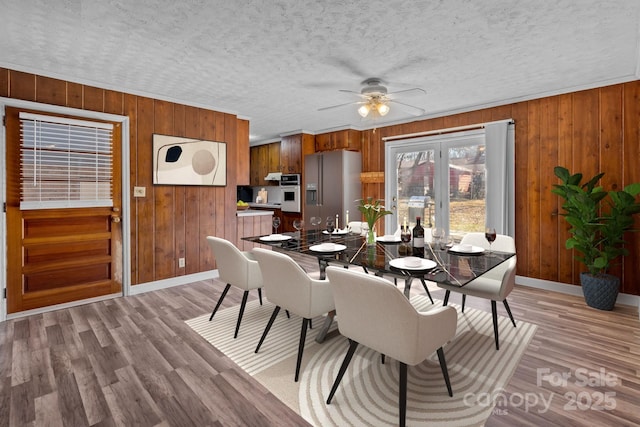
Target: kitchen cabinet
287, 219
291, 154
348, 139
264, 159
284, 156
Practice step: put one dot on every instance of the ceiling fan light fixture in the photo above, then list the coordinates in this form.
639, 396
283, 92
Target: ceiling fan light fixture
382, 108
364, 110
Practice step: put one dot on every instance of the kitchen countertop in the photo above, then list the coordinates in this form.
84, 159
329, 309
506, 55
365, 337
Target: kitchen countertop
253, 212
265, 205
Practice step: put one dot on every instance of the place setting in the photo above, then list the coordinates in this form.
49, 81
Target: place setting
275, 237
413, 263
328, 247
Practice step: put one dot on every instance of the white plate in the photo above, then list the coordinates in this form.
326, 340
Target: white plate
388, 239
474, 250
320, 248
342, 231
275, 238
427, 264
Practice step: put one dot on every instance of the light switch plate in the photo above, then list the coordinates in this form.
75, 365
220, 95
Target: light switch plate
139, 191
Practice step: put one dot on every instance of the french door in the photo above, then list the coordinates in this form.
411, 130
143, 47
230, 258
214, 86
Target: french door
441, 179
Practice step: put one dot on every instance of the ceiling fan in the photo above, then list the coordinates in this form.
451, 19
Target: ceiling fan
376, 99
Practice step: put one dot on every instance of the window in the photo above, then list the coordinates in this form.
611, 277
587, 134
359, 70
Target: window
65, 163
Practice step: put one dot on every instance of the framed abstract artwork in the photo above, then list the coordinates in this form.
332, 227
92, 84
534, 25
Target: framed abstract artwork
188, 161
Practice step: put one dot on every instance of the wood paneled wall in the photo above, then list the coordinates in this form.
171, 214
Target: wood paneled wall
590, 131
171, 221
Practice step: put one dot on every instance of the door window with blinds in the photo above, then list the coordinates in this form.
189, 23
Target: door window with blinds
65, 163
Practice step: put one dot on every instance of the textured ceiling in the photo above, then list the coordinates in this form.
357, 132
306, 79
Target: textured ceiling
277, 62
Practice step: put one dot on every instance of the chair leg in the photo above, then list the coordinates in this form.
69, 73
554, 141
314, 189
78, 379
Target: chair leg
494, 314
464, 299
310, 323
402, 395
445, 371
269, 324
424, 285
383, 357
288, 315
242, 306
260, 295
303, 336
224, 293
446, 298
343, 368
506, 306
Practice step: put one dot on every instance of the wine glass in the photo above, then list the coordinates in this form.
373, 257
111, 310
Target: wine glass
331, 225
437, 234
316, 220
276, 223
298, 224
490, 235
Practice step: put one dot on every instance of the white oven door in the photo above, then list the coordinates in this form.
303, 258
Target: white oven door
290, 199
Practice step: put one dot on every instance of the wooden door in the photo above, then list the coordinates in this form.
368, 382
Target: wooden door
56, 256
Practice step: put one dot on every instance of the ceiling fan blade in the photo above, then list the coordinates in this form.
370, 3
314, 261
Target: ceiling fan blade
416, 111
415, 89
339, 105
353, 92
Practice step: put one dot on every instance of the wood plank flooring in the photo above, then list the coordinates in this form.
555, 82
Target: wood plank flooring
133, 361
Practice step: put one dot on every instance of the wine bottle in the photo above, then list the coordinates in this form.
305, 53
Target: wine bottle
418, 239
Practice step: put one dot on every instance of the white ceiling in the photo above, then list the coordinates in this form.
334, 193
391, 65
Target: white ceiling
277, 62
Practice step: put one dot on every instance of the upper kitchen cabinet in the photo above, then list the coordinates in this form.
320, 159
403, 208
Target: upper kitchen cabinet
284, 156
291, 154
348, 139
264, 159
243, 168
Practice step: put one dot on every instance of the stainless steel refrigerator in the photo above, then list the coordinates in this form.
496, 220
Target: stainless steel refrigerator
332, 186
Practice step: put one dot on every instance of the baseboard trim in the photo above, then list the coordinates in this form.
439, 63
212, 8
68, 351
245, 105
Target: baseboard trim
70, 304
173, 281
564, 288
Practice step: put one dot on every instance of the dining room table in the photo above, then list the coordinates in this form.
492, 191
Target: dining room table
451, 264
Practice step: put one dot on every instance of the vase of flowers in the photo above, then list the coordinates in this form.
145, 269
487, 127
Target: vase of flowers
372, 210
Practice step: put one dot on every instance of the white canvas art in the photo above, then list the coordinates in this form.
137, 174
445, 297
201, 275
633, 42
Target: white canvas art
187, 161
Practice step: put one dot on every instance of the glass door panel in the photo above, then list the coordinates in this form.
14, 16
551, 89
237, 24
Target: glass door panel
415, 186
467, 189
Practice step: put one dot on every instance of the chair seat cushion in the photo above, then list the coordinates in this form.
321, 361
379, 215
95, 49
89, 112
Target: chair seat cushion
483, 287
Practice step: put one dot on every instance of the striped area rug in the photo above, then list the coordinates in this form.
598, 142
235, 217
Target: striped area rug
368, 393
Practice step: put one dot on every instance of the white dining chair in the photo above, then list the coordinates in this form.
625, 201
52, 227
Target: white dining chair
495, 285
355, 227
236, 268
288, 286
371, 311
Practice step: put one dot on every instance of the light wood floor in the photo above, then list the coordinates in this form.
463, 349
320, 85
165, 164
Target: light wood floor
133, 361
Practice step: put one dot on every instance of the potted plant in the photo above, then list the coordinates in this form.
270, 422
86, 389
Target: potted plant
598, 221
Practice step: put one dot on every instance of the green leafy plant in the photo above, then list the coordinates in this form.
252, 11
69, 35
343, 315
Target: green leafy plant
598, 218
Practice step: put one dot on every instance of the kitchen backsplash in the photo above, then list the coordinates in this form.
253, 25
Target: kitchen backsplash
274, 194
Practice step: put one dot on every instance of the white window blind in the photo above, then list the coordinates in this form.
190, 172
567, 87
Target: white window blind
65, 163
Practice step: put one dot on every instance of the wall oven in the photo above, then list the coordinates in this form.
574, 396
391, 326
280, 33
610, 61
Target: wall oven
290, 187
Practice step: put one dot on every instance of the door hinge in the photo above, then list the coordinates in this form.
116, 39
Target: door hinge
4, 121
4, 207
5, 293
